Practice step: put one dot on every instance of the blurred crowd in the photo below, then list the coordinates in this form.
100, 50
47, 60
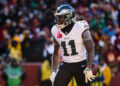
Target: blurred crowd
25, 29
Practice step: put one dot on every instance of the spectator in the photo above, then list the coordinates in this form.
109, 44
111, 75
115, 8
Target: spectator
13, 75
108, 30
98, 81
14, 52
110, 57
106, 72
45, 70
44, 74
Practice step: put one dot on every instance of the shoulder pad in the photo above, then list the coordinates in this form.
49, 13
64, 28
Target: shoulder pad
53, 30
85, 24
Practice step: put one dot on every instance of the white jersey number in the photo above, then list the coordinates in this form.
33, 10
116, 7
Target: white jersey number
73, 48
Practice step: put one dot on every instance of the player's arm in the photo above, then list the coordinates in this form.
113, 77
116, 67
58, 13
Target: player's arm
55, 57
55, 60
88, 42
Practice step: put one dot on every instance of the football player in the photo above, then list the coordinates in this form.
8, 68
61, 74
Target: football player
75, 40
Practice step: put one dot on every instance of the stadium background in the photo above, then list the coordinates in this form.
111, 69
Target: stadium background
28, 23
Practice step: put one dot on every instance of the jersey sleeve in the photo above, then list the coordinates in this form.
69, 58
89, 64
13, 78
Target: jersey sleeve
83, 25
53, 32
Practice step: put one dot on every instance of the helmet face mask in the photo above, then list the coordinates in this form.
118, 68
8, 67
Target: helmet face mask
60, 19
64, 16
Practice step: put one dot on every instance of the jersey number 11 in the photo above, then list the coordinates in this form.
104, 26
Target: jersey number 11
73, 48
